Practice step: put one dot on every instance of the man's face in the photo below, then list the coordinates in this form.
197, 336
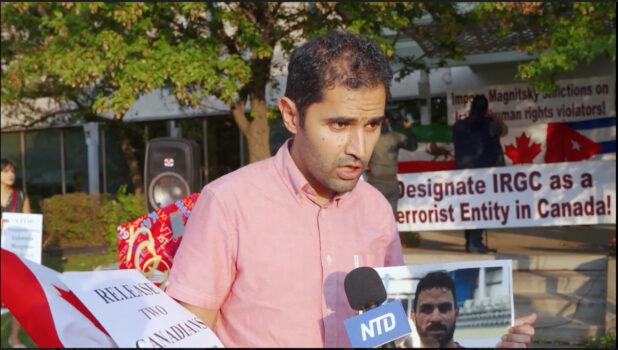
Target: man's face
338, 136
435, 317
8, 175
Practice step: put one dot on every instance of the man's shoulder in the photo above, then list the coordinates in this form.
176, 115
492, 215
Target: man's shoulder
253, 175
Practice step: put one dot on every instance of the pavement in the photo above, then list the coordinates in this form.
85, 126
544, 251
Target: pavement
583, 239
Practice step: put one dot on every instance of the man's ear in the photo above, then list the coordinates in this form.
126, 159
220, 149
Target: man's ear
456, 311
289, 113
413, 317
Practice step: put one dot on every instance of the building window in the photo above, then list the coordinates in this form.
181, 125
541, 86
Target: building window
43, 165
405, 108
223, 146
412, 108
116, 166
438, 110
278, 134
155, 129
75, 160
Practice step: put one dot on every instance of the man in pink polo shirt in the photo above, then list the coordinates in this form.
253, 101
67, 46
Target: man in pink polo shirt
267, 247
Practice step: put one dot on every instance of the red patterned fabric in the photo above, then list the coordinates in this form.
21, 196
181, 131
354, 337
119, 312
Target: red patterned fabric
149, 242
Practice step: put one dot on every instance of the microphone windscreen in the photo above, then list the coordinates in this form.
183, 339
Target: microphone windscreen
364, 288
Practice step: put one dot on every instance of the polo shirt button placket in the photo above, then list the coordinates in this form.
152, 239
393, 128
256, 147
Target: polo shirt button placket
326, 270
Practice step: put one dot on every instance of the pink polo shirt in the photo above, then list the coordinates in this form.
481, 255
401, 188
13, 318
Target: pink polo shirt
258, 249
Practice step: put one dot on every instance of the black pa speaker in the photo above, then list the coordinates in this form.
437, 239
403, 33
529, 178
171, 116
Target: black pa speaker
171, 170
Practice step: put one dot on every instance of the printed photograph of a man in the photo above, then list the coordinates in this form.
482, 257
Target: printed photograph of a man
434, 310
453, 305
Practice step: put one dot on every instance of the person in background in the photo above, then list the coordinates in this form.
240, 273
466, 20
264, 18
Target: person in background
382, 170
477, 145
13, 201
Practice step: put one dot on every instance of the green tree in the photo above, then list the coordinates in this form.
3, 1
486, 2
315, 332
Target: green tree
565, 34
102, 56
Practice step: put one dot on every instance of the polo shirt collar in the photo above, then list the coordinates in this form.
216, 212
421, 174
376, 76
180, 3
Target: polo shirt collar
294, 179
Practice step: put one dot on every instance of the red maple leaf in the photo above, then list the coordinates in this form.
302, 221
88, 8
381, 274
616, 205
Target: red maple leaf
72, 299
524, 152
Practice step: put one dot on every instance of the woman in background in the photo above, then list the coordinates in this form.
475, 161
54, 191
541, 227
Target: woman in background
13, 201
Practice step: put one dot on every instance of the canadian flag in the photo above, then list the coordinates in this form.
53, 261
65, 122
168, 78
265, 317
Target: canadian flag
51, 315
592, 139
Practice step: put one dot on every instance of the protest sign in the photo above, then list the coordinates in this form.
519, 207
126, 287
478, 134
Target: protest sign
482, 294
520, 104
136, 313
578, 193
576, 122
22, 234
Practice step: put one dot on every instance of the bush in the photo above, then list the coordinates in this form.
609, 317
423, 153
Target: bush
78, 220
71, 220
124, 208
607, 341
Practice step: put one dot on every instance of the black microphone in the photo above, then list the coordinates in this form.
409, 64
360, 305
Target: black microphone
365, 291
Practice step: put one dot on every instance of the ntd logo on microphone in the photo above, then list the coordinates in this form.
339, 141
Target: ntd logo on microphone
378, 326
382, 324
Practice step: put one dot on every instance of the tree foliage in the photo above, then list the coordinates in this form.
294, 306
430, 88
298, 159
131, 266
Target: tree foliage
103, 56
566, 34
116, 51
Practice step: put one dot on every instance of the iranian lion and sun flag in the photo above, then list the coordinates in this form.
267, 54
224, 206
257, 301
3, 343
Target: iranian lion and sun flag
578, 122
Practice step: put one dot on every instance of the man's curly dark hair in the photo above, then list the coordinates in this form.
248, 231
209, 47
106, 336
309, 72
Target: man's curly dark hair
336, 58
435, 279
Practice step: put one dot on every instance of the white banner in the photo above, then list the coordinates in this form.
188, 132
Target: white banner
578, 122
578, 193
22, 234
136, 313
519, 104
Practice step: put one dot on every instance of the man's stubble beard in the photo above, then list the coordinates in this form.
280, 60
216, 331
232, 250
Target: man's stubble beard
322, 174
443, 341
448, 337
319, 172
324, 178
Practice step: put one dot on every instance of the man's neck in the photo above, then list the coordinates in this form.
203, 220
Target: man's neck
322, 196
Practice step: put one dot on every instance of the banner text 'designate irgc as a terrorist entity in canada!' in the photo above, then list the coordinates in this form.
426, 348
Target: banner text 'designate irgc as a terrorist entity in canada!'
574, 193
